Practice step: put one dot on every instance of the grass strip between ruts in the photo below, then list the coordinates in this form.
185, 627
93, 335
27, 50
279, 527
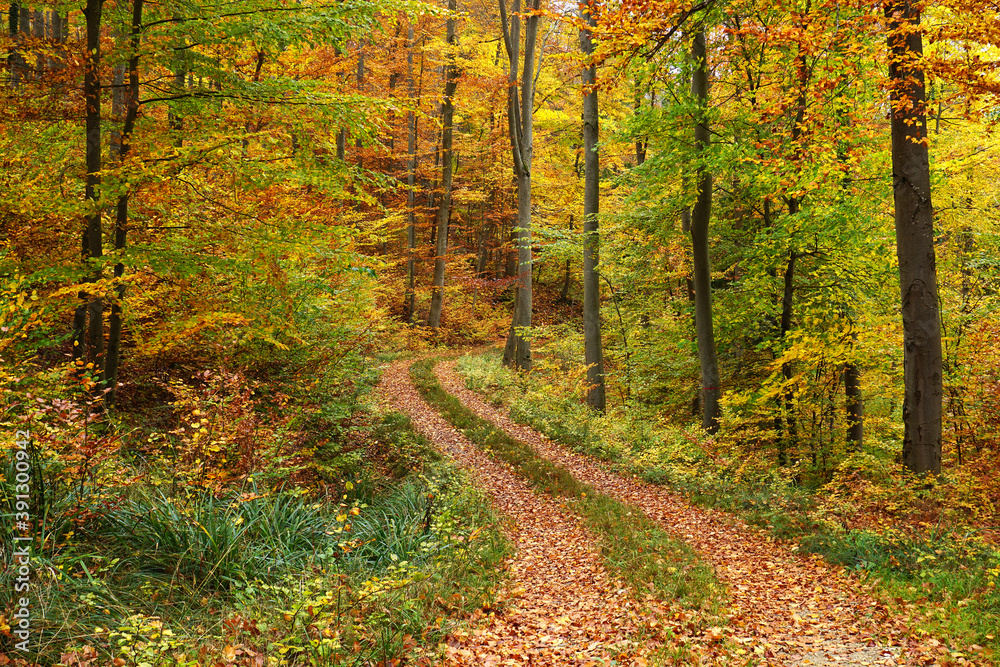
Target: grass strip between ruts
633, 546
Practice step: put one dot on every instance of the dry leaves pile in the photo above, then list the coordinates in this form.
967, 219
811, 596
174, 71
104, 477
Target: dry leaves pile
784, 608
561, 607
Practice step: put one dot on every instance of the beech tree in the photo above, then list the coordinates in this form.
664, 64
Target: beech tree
89, 315
701, 215
444, 207
520, 116
593, 349
911, 188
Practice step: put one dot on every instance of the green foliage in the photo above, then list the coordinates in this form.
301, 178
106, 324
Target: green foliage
173, 580
216, 543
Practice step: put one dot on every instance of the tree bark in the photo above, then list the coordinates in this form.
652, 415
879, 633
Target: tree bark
91, 313
915, 242
341, 133
20, 26
359, 80
641, 143
517, 351
411, 174
16, 62
701, 214
854, 405
786, 423
444, 207
593, 349
130, 103
174, 119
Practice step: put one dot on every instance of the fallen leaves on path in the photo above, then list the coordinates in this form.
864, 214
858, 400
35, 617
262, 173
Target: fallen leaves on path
784, 608
562, 608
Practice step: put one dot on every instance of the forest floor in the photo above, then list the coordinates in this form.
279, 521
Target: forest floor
561, 607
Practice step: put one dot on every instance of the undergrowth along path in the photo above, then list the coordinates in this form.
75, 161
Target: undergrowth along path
561, 607
784, 608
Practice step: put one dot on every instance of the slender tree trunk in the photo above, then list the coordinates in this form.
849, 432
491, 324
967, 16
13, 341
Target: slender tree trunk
19, 25
701, 214
341, 133
517, 352
915, 242
786, 423
640, 142
359, 79
411, 174
432, 191
593, 348
174, 118
38, 31
444, 208
130, 102
91, 313
689, 289
854, 404
13, 57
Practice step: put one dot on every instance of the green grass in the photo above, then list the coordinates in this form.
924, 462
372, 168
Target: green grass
947, 580
633, 546
159, 579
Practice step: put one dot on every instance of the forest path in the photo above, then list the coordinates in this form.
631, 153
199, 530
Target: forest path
784, 608
561, 607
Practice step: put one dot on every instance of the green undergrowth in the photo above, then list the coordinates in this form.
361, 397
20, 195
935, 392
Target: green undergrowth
633, 546
261, 575
945, 578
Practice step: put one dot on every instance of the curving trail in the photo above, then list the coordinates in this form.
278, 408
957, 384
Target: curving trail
785, 609
561, 607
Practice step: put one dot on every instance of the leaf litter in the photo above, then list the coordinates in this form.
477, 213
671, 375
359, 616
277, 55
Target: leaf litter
784, 608
560, 606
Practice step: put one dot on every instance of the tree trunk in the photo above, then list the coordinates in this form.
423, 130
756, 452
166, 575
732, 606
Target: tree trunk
444, 208
701, 214
411, 174
359, 80
854, 404
593, 349
38, 31
915, 242
786, 424
517, 352
92, 313
641, 143
130, 102
174, 119
13, 57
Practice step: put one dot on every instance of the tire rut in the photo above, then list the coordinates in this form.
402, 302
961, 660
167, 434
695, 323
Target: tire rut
785, 608
561, 607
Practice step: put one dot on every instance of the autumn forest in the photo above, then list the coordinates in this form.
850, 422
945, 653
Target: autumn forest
499, 332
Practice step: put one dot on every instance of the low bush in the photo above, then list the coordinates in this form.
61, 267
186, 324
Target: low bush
261, 573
